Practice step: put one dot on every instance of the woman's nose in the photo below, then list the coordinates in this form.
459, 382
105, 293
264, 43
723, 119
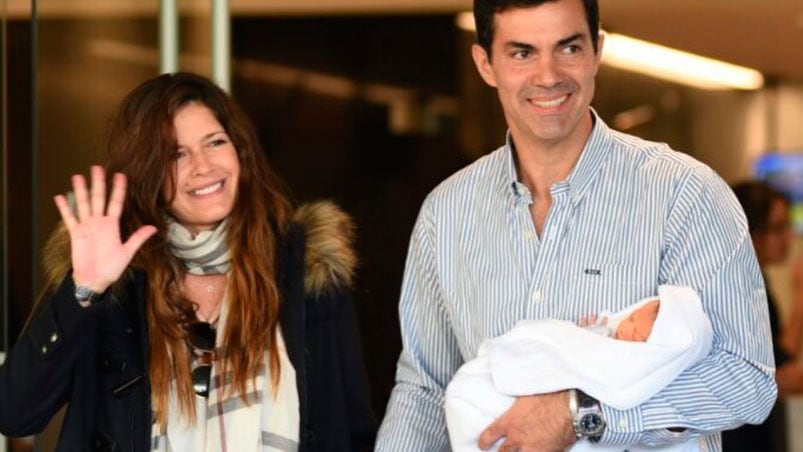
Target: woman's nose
200, 163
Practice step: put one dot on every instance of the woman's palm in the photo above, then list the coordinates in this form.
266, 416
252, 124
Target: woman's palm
99, 256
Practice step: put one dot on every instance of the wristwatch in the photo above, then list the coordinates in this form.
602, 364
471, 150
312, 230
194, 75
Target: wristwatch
586, 416
84, 295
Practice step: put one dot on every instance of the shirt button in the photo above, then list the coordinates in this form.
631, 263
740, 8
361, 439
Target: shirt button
54, 337
44, 349
537, 296
623, 423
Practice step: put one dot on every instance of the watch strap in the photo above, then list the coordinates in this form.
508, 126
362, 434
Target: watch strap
583, 408
84, 295
586, 401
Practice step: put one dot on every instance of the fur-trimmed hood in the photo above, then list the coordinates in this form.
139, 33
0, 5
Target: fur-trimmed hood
330, 257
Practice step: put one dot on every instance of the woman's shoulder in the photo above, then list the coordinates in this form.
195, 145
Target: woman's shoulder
329, 257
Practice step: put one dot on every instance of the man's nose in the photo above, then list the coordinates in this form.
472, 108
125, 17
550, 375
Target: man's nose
547, 72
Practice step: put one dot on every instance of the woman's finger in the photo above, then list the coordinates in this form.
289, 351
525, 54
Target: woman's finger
138, 238
65, 211
98, 189
81, 196
117, 199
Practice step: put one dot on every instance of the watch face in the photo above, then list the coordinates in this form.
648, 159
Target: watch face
592, 424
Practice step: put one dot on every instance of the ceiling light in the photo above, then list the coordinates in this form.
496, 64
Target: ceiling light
465, 21
663, 62
676, 66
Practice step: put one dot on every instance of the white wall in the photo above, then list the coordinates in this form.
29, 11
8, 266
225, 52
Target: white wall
730, 129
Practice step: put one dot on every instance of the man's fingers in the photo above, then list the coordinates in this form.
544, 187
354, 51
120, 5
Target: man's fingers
505, 447
491, 435
98, 190
117, 199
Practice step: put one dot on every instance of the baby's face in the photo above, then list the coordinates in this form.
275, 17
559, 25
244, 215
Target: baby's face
638, 325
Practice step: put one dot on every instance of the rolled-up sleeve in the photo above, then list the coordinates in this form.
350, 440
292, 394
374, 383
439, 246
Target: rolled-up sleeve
415, 419
708, 247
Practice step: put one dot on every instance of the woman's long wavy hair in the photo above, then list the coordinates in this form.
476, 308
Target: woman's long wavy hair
142, 144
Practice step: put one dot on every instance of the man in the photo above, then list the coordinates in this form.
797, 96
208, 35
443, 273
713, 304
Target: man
571, 218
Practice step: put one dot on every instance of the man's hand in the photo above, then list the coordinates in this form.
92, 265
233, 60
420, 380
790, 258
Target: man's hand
537, 423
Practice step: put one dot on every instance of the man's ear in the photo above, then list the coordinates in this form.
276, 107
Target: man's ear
600, 45
483, 63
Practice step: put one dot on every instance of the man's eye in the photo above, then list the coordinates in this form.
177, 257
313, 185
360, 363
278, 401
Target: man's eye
571, 49
520, 54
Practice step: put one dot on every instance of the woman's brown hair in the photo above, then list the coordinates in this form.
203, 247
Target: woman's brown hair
141, 143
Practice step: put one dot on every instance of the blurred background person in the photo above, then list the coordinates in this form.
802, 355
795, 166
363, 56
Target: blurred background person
768, 218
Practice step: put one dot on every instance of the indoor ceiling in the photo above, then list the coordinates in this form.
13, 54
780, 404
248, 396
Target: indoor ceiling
763, 34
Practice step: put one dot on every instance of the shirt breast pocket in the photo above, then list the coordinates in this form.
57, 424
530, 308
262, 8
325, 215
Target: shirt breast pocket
595, 287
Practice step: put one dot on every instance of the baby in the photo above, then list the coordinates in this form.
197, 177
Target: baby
635, 327
659, 338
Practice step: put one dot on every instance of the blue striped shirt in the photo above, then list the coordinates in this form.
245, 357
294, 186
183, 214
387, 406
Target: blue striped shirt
632, 215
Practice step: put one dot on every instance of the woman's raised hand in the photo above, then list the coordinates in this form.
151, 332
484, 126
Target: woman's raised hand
99, 256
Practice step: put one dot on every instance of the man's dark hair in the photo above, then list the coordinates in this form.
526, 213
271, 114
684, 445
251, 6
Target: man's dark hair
485, 10
756, 198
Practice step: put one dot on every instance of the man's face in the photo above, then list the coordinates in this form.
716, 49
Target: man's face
543, 65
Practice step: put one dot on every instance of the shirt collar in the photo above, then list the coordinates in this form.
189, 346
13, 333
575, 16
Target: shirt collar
520, 192
580, 179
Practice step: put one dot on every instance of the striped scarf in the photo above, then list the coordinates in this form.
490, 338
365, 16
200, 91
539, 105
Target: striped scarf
206, 253
224, 423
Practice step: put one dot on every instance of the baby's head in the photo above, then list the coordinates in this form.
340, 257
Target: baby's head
638, 325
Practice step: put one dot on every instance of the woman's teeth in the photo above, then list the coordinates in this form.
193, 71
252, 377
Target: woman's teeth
206, 190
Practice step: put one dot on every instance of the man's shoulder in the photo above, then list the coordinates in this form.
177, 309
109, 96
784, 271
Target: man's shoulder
658, 158
663, 169
482, 175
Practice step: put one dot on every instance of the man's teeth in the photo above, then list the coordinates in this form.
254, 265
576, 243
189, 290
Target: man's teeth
550, 103
207, 190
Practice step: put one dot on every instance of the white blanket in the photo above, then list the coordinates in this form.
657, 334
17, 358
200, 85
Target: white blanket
541, 356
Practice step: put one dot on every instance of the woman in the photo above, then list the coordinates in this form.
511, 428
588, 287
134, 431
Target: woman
221, 321
768, 215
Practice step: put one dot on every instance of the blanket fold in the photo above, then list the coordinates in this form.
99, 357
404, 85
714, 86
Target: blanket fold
542, 356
